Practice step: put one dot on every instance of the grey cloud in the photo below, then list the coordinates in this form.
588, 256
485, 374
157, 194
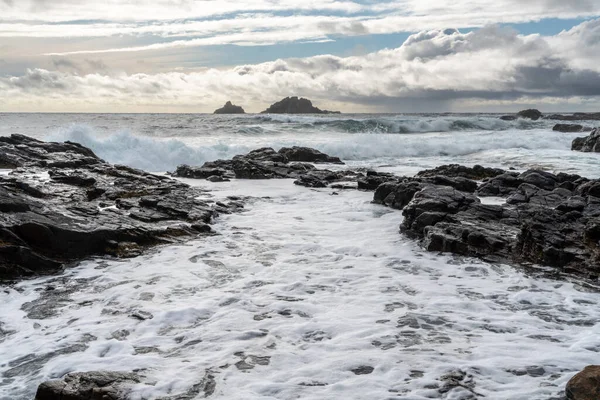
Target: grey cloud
353, 28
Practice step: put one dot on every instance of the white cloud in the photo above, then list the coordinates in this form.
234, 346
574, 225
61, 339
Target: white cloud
433, 69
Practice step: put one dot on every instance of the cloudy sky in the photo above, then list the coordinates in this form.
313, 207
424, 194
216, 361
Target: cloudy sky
352, 55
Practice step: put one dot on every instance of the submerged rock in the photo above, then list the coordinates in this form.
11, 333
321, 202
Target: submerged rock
229, 108
589, 143
547, 219
585, 385
63, 204
89, 386
295, 105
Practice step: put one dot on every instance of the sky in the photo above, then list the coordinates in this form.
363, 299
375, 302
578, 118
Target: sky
348, 55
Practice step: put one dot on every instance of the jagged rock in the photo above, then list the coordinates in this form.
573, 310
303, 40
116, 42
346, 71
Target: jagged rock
266, 163
547, 219
570, 128
585, 385
306, 154
87, 207
530, 114
589, 143
229, 108
295, 105
99, 385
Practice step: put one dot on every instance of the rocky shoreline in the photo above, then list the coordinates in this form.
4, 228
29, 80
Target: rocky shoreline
61, 204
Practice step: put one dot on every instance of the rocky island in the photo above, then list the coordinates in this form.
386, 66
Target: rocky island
295, 105
230, 108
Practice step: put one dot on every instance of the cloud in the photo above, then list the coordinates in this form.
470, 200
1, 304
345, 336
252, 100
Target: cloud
437, 69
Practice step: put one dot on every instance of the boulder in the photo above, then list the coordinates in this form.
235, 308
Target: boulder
589, 143
531, 113
99, 385
454, 170
229, 108
568, 128
306, 154
585, 385
295, 105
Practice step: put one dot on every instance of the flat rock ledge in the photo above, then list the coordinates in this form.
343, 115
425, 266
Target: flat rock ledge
61, 203
540, 218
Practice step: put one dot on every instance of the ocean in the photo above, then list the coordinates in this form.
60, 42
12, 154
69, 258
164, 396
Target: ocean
305, 288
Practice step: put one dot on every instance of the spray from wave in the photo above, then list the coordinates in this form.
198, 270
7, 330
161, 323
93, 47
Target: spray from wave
156, 154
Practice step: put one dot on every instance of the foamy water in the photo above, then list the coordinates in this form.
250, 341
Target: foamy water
306, 288
296, 293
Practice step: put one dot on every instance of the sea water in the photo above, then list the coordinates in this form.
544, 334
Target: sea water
306, 287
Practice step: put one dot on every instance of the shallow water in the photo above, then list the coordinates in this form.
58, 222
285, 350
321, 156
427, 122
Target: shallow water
295, 293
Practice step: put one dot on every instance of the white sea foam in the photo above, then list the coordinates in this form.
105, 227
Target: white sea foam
304, 287
519, 149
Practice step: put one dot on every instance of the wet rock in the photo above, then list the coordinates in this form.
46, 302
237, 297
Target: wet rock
531, 113
508, 117
287, 163
570, 128
363, 370
306, 154
585, 385
88, 386
230, 108
88, 207
295, 105
589, 143
548, 219
455, 170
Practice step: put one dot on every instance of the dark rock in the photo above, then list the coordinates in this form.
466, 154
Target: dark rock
575, 117
548, 219
295, 105
570, 128
530, 114
589, 143
229, 108
508, 117
585, 385
88, 386
88, 207
306, 154
454, 170
364, 370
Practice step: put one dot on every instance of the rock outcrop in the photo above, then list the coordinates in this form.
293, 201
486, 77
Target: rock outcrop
589, 143
568, 128
574, 117
88, 386
295, 105
532, 114
229, 108
585, 385
547, 219
287, 163
61, 203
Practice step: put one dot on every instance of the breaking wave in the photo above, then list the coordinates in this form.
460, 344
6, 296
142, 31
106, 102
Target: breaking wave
164, 154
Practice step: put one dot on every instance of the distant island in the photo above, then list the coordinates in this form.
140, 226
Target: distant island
230, 108
295, 105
